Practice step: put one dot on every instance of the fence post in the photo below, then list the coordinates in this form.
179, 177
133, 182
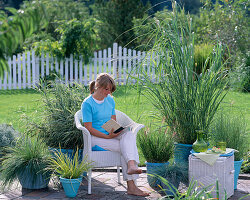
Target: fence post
124, 66
115, 46
24, 71
28, 69
10, 75
19, 71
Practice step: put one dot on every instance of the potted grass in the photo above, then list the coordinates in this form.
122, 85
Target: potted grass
56, 125
187, 100
26, 161
157, 147
232, 130
70, 170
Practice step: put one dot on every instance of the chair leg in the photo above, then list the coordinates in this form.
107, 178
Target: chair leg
118, 174
89, 181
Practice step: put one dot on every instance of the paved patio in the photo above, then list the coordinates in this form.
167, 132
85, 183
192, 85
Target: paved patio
105, 187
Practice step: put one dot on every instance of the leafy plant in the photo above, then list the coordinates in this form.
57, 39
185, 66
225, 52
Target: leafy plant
193, 192
186, 100
232, 130
115, 20
246, 164
156, 145
7, 137
29, 153
57, 128
16, 28
78, 38
66, 167
240, 76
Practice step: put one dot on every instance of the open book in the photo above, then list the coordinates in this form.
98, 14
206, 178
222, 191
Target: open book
114, 124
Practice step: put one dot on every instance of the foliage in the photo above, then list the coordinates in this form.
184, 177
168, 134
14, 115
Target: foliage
245, 168
173, 174
227, 21
187, 101
59, 12
202, 53
7, 137
67, 32
61, 101
194, 191
29, 152
78, 38
156, 145
232, 130
67, 167
16, 28
116, 20
240, 76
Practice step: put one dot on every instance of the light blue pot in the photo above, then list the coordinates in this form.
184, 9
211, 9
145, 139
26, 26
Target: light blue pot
237, 166
71, 186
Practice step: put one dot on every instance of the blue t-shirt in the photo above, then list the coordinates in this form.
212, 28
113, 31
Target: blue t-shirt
96, 113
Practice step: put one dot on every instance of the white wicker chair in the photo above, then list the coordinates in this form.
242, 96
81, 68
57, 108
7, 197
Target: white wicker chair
103, 158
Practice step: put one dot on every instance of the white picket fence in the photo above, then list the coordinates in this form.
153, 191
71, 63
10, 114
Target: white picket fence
26, 69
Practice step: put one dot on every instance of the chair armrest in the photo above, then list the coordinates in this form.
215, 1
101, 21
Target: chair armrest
137, 127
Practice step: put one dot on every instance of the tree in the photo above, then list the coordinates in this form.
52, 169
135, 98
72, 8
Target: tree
115, 18
16, 28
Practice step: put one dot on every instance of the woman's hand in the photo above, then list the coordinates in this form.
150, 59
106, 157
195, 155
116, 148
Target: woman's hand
112, 134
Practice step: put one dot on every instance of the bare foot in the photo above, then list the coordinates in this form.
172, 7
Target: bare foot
134, 170
137, 192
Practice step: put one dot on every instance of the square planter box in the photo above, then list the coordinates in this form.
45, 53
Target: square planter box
222, 170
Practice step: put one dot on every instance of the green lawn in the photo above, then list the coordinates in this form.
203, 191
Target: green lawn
15, 103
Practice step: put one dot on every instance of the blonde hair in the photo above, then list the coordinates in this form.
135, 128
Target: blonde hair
102, 81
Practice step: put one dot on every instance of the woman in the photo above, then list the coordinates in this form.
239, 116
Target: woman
99, 108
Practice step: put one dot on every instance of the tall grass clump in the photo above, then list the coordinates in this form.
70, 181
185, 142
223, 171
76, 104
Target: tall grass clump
156, 145
61, 101
232, 130
29, 153
188, 101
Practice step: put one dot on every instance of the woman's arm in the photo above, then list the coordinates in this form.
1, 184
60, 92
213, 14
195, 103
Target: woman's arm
93, 131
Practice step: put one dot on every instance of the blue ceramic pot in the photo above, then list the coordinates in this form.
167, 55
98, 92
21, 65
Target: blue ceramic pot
237, 166
30, 180
181, 153
71, 186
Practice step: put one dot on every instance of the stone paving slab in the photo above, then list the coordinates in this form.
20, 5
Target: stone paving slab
104, 187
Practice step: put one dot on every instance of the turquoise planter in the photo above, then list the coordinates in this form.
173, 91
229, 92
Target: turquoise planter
29, 180
71, 186
181, 153
237, 166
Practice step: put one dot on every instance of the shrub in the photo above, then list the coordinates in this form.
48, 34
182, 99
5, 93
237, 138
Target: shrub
57, 128
187, 101
156, 145
246, 164
231, 130
7, 137
240, 76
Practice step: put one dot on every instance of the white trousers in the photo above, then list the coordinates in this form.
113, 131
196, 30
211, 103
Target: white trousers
125, 144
